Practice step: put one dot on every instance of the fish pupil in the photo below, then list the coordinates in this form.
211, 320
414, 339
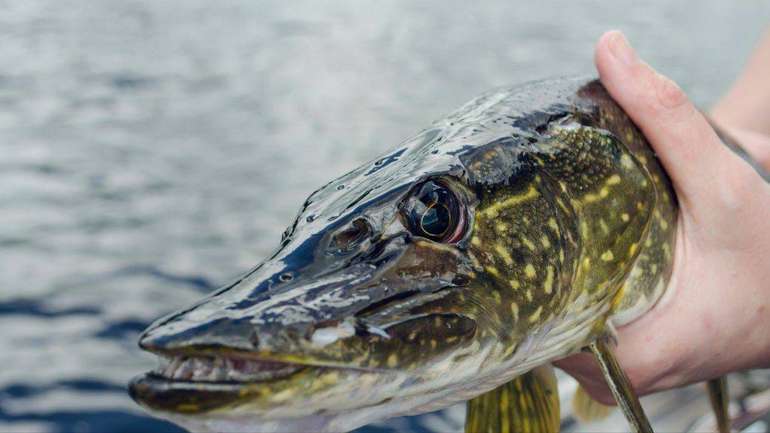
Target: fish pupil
433, 211
436, 220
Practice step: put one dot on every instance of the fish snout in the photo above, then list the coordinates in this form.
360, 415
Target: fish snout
178, 336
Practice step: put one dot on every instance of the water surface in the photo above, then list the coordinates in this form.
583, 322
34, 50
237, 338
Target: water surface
153, 150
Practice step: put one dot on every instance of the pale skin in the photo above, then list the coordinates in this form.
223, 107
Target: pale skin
715, 316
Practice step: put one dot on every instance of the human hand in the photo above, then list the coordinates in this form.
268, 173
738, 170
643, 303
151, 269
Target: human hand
715, 315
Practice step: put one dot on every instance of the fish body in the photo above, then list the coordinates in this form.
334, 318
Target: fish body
513, 232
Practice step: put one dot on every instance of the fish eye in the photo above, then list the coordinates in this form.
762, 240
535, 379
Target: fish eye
433, 211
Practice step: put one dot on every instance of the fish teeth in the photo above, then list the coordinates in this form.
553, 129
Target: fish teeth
171, 367
185, 371
221, 369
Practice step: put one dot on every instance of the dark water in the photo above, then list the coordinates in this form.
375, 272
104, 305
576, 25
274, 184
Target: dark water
152, 150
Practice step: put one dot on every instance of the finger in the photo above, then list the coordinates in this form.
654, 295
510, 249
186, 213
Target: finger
756, 145
684, 141
586, 371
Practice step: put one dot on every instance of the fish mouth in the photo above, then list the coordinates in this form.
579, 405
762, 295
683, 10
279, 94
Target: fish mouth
223, 369
197, 384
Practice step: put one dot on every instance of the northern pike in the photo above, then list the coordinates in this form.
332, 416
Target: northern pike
516, 231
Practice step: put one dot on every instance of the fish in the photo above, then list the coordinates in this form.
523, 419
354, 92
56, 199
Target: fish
518, 230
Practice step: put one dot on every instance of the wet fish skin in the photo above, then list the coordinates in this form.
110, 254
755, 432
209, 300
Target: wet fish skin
566, 223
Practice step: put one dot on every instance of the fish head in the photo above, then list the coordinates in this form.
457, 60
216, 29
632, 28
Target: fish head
396, 285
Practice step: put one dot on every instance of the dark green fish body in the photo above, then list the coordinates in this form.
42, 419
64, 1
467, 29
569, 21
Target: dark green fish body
512, 233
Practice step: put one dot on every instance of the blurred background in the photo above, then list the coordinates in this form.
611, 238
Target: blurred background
151, 150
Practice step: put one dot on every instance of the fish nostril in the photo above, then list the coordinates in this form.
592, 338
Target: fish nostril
460, 280
352, 235
286, 277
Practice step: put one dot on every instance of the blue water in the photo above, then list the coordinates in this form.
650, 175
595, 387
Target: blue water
152, 150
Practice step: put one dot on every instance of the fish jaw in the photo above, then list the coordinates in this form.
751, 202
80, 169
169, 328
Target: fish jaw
341, 399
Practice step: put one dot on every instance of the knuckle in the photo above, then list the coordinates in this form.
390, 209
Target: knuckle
738, 188
669, 95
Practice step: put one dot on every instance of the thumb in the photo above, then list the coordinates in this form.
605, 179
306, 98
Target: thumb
684, 141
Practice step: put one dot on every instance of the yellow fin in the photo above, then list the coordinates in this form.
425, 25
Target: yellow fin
526, 404
587, 409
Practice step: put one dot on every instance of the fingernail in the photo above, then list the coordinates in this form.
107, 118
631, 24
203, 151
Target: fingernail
621, 49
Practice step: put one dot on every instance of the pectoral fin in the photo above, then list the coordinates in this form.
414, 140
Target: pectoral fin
620, 386
587, 409
526, 404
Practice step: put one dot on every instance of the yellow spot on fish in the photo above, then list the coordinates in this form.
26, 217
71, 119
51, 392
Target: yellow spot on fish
503, 252
496, 295
548, 285
528, 243
493, 210
561, 256
392, 360
493, 270
624, 217
474, 260
626, 161
587, 263
528, 294
476, 241
286, 394
529, 271
545, 241
604, 192
654, 268
590, 198
552, 224
648, 242
613, 180
501, 227
632, 249
603, 226
515, 284
331, 377
584, 229
607, 256
515, 311
663, 224
536, 315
